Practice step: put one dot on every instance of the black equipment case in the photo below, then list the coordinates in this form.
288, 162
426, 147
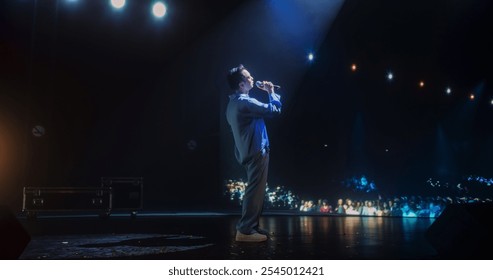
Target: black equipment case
127, 193
52, 199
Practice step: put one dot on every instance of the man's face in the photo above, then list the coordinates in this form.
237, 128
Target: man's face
247, 83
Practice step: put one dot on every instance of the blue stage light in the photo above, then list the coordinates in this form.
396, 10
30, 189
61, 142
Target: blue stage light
390, 76
310, 57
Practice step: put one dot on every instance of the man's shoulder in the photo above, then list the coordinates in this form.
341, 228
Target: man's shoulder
237, 96
242, 97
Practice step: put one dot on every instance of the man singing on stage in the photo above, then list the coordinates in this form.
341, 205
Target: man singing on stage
246, 115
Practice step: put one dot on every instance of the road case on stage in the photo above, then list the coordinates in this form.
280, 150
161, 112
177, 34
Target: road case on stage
53, 199
127, 193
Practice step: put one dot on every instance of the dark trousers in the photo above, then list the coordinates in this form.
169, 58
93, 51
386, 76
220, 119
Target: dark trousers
253, 199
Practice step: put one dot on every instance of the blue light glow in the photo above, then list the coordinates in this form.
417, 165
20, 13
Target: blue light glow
482, 180
390, 76
360, 184
310, 57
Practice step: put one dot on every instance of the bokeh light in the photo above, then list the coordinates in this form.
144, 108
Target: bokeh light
159, 9
118, 4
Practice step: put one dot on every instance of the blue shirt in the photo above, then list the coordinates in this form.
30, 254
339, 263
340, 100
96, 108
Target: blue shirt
246, 115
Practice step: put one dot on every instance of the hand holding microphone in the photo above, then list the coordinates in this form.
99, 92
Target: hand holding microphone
267, 86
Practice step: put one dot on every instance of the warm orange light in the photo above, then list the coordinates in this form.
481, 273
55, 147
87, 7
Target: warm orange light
353, 67
421, 84
10, 158
472, 96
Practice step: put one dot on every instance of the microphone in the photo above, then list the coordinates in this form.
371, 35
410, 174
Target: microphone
260, 85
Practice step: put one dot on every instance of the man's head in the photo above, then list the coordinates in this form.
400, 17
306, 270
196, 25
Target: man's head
239, 79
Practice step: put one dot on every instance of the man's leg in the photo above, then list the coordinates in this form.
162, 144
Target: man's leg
253, 199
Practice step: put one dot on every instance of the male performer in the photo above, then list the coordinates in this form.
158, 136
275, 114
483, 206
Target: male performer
246, 115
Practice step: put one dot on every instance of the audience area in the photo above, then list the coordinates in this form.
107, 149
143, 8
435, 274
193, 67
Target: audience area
282, 198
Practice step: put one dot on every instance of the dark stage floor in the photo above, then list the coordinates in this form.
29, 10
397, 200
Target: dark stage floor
207, 235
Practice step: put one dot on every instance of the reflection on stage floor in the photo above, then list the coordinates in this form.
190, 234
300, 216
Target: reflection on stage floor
210, 235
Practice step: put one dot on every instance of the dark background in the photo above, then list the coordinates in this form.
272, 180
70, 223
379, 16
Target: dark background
122, 94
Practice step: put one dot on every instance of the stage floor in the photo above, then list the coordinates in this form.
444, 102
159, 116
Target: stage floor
210, 235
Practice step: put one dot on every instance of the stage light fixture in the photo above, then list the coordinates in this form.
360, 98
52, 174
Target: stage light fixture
390, 76
311, 56
38, 131
159, 9
471, 96
448, 91
353, 67
421, 84
117, 4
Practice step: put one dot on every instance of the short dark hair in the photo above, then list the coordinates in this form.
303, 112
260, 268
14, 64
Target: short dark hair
235, 77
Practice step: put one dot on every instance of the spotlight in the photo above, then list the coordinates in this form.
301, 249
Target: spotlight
491, 102
471, 96
117, 4
159, 9
390, 76
421, 84
353, 67
448, 91
310, 57
192, 145
38, 131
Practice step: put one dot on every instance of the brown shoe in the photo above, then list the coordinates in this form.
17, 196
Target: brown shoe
254, 237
